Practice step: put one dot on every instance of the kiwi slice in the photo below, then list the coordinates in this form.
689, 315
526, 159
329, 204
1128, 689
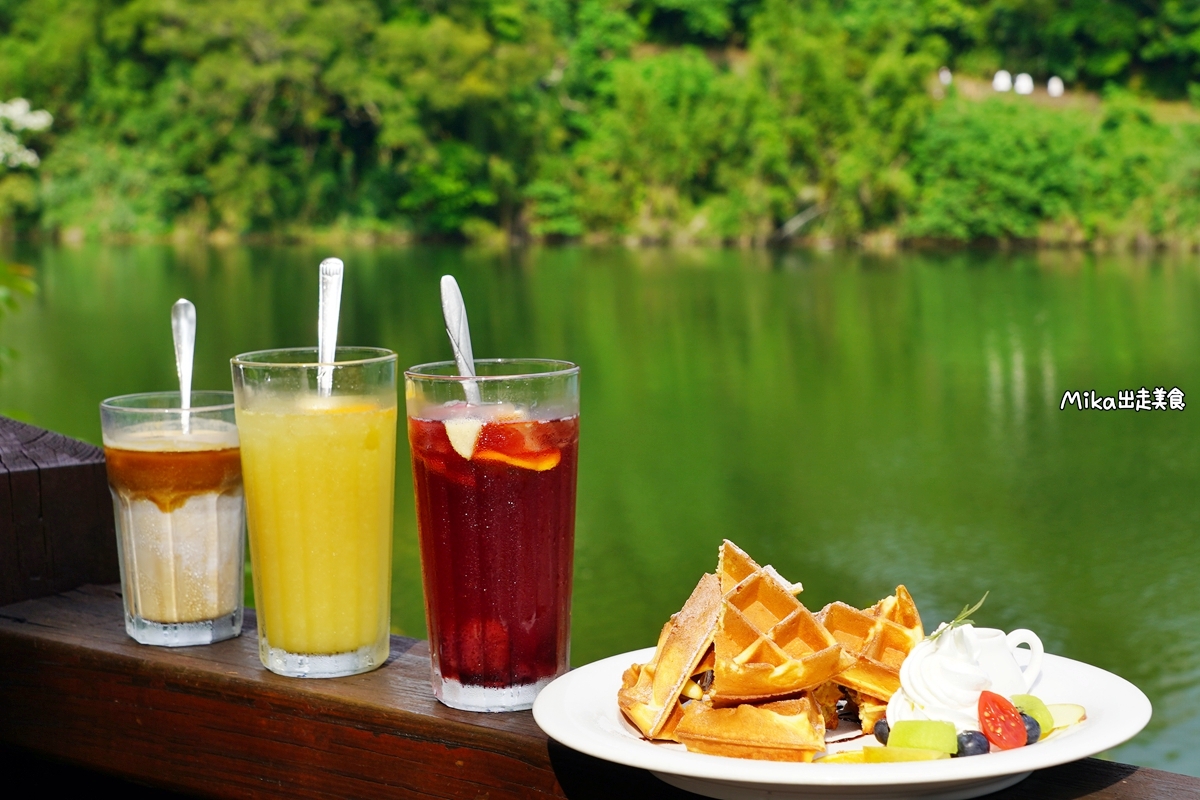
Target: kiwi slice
925, 734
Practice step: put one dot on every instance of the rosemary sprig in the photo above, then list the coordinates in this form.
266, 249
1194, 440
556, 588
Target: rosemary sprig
963, 618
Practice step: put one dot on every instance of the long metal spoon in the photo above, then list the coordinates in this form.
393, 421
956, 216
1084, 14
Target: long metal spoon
455, 312
183, 331
328, 310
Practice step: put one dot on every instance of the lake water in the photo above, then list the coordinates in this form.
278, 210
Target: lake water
858, 422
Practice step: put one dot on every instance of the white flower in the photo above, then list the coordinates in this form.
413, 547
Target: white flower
17, 115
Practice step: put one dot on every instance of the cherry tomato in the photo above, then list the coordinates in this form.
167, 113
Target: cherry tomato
1001, 722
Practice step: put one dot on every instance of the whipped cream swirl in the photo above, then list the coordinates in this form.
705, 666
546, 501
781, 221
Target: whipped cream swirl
941, 679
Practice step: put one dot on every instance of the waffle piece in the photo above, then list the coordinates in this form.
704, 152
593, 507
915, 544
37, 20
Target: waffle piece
877, 641
768, 645
870, 711
734, 566
649, 694
785, 730
827, 696
902, 610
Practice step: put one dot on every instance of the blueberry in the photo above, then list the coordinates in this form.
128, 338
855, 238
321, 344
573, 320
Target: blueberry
1033, 731
972, 743
882, 731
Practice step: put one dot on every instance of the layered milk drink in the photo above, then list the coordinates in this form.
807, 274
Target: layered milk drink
180, 524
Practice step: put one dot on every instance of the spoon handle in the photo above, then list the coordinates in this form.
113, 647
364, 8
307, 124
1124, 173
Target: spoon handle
328, 311
455, 312
183, 331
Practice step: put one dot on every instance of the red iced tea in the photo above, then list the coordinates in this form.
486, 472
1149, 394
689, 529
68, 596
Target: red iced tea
497, 542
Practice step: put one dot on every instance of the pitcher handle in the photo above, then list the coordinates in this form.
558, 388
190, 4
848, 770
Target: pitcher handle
1034, 667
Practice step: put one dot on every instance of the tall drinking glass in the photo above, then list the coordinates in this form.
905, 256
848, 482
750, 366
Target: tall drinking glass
176, 483
495, 497
319, 470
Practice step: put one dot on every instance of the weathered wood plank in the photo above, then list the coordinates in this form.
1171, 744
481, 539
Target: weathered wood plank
1103, 780
56, 520
211, 721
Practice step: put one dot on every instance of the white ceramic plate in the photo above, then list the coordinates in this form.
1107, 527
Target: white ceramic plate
580, 711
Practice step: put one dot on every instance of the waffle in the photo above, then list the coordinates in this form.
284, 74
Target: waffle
827, 696
734, 566
767, 644
786, 730
879, 639
745, 670
870, 711
649, 694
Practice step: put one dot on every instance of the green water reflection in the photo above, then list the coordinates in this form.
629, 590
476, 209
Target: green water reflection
857, 422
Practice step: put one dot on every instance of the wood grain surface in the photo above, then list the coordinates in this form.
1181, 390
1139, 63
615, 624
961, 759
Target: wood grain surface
56, 518
210, 721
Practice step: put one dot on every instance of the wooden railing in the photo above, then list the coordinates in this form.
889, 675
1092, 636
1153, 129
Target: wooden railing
211, 721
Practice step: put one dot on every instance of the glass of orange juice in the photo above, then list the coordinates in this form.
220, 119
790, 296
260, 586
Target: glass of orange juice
318, 467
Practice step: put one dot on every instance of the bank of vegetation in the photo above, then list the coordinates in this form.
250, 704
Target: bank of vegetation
705, 121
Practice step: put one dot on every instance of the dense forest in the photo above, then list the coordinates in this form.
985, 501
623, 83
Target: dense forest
713, 121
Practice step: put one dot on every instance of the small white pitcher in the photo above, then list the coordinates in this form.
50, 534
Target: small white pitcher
995, 653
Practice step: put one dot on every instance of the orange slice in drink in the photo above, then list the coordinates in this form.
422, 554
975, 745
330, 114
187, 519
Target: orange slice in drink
539, 461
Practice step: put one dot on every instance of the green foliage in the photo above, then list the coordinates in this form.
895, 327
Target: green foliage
661, 120
994, 169
1004, 168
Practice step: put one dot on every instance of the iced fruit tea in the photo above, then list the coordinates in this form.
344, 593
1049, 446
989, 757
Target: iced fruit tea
496, 510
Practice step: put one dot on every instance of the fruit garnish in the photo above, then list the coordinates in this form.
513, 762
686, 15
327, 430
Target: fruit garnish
972, 743
1034, 707
882, 731
881, 755
538, 462
963, 618
463, 433
925, 734
844, 757
1033, 731
1001, 722
1065, 714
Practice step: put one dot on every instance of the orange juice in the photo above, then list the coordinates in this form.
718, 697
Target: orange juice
319, 482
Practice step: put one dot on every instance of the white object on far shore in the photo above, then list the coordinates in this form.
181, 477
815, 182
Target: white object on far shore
454, 310
1003, 81
1024, 84
1054, 86
328, 309
944, 76
183, 331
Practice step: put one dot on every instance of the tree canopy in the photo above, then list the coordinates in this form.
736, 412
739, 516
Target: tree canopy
704, 120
